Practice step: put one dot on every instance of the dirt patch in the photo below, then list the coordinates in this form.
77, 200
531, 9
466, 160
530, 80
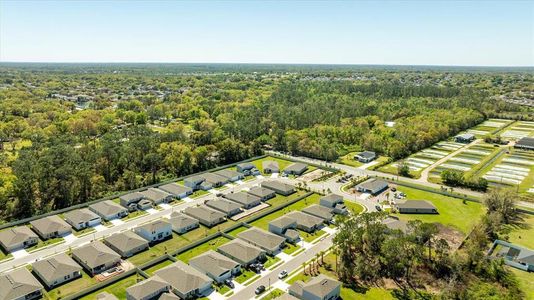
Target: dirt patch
451, 235
315, 174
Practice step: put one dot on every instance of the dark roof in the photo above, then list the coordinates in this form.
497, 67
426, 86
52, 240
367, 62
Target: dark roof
296, 167
367, 154
126, 241
131, 196
332, 198
260, 191
416, 204
374, 184
227, 173
223, 205
242, 198
246, 166
277, 185
319, 211
214, 178
525, 142
203, 212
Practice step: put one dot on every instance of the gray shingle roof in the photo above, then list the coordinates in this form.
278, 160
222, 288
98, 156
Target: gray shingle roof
214, 178
147, 287
155, 195
95, 254
168, 296
296, 168
241, 250
155, 226
182, 277
332, 199
107, 208
126, 241
175, 188
283, 222
204, 213
134, 196
50, 224
260, 191
321, 285
17, 284
80, 216
374, 184
16, 235
106, 296
305, 219
262, 238
270, 164
56, 267
277, 185
223, 205
180, 220
228, 173
213, 263
416, 204
242, 198
319, 211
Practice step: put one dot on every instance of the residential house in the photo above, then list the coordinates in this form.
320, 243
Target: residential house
230, 175
281, 188
464, 138
16, 238
149, 289
56, 270
416, 207
305, 221
229, 208
186, 281
270, 166
334, 202
50, 227
155, 231
214, 179
157, 196
526, 143
182, 223
265, 240
286, 227
365, 156
320, 287
247, 169
131, 198
145, 204
296, 169
126, 243
207, 216
194, 182
106, 296
96, 257
264, 193
20, 285
82, 218
514, 255
217, 266
319, 211
244, 199
109, 210
242, 252
372, 186
286, 297
168, 296
178, 191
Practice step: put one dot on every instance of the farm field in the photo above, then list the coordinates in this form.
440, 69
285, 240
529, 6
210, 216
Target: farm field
513, 169
489, 126
424, 158
518, 130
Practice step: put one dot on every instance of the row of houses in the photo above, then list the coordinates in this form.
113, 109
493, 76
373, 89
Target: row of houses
154, 196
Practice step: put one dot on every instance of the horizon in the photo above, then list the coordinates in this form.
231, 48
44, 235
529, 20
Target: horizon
404, 33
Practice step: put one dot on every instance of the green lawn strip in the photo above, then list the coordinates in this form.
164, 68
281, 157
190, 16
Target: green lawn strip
204, 231
244, 276
221, 289
310, 237
273, 294
282, 163
249, 178
135, 214
71, 287
349, 160
264, 221
46, 243
298, 252
159, 249
487, 163
118, 288
4, 255
202, 248
271, 261
237, 230
198, 193
523, 235
526, 282
161, 265
354, 207
83, 231
280, 200
251, 280
290, 248
452, 211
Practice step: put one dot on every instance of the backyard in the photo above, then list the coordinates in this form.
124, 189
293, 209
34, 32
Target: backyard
212, 244
71, 287
167, 246
118, 288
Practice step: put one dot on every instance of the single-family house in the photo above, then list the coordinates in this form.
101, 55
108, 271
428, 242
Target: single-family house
416, 207
214, 179
286, 227
149, 289
372, 186
96, 257
186, 281
16, 238
20, 285
334, 202
230, 175
106, 296
265, 240
109, 210
229, 208
525, 143
296, 169
305, 221
395, 224
155, 231
464, 138
514, 255
365, 156
131, 198
264, 193
168, 296
145, 204
217, 266
178, 191
242, 252
281, 188
319, 211
244, 199
157, 196
50, 227
82, 218
320, 287
194, 182
182, 223
247, 169
126, 243
56, 270
286, 297
207, 216
270, 166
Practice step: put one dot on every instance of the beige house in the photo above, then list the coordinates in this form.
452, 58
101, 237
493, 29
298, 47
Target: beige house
50, 227
56, 270
20, 285
148, 289
15, 238
96, 257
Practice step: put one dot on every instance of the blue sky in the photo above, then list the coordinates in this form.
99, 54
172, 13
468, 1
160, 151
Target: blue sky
390, 32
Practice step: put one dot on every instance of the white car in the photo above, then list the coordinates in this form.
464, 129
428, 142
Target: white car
282, 274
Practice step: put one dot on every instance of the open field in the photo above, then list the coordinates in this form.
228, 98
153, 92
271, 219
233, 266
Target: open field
523, 235
282, 163
212, 244
515, 168
518, 130
453, 212
489, 126
526, 282
118, 288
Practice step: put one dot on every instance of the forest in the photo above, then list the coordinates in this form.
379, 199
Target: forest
75, 133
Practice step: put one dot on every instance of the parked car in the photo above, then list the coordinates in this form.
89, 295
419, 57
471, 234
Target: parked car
378, 207
402, 194
282, 274
393, 189
229, 283
219, 194
259, 290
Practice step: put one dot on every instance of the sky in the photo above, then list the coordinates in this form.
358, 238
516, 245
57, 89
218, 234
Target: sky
467, 33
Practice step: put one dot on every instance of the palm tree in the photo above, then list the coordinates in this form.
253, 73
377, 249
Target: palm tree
304, 267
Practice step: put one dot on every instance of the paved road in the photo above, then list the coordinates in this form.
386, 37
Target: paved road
272, 276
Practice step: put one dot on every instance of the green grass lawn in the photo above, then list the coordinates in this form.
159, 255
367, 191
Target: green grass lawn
198, 193
134, 214
159, 249
282, 163
273, 294
264, 221
161, 265
209, 245
310, 237
204, 231
42, 243
526, 282
237, 230
244, 276
353, 207
118, 288
83, 231
523, 235
290, 248
4, 255
271, 261
280, 200
452, 211
221, 289
71, 287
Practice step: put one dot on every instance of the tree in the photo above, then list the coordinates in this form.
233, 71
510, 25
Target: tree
403, 169
502, 202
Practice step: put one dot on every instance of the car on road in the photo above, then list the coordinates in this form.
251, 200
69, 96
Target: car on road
282, 274
229, 283
219, 194
260, 289
378, 207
